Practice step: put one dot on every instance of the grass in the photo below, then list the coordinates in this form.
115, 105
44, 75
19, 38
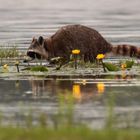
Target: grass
65, 129
66, 133
8, 52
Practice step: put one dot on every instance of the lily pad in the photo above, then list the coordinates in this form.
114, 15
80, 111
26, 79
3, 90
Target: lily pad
111, 67
39, 68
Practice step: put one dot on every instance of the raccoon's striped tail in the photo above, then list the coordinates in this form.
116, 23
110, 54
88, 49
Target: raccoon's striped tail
124, 50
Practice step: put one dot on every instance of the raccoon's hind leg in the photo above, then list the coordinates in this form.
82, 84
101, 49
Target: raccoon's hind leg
86, 57
91, 57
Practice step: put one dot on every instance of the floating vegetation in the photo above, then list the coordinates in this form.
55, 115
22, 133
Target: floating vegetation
39, 69
123, 65
129, 64
111, 67
75, 54
59, 61
9, 55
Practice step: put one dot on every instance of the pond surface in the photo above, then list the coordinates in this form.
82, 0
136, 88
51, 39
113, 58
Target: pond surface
118, 21
91, 98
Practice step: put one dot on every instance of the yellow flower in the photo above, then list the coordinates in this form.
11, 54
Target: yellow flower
123, 66
17, 63
100, 87
100, 56
75, 51
5, 66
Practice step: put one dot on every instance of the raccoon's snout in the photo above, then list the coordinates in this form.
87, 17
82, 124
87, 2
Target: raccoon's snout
33, 54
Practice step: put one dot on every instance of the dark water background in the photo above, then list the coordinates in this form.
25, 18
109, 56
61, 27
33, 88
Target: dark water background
20, 20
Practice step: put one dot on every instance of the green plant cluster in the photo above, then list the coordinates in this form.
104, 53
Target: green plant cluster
66, 133
9, 51
65, 128
129, 64
39, 68
112, 67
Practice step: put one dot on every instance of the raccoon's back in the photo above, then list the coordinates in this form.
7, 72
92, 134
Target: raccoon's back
80, 37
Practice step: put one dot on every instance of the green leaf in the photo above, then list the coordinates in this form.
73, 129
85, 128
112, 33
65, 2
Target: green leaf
39, 68
111, 67
129, 64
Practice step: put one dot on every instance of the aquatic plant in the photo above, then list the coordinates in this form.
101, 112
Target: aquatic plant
129, 64
56, 60
123, 65
39, 69
75, 53
111, 67
17, 65
67, 133
64, 127
100, 57
59, 61
110, 104
8, 51
5, 68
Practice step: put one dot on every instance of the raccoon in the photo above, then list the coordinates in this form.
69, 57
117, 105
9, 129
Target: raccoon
89, 41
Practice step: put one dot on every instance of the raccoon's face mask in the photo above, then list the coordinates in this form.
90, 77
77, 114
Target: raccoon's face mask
37, 50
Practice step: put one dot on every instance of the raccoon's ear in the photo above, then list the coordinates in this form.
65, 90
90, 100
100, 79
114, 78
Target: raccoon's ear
33, 39
40, 40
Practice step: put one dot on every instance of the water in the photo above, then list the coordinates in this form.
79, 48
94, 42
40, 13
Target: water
118, 21
20, 20
18, 97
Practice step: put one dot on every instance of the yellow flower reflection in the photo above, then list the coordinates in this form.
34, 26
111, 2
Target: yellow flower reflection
100, 56
100, 87
123, 75
17, 84
76, 91
75, 51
